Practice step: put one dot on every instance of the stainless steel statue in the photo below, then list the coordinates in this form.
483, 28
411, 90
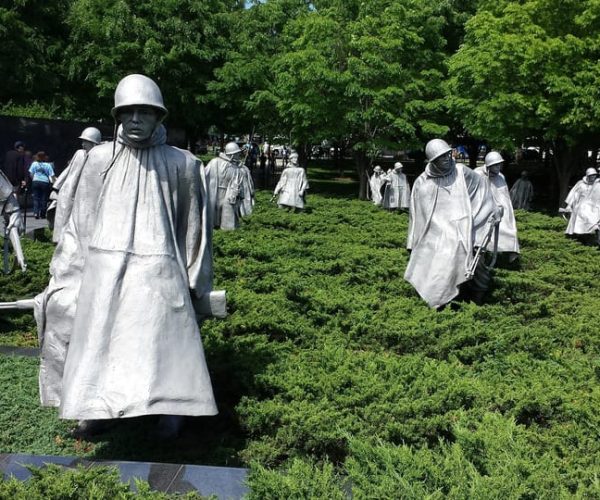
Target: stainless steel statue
292, 186
117, 323
397, 190
492, 173
583, 203
226, 185
449, 206
68, 180
247, 204
521, 193
375, 185
13, 223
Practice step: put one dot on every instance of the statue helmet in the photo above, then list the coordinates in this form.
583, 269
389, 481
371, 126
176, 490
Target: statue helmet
524, 173
493, 158
436, 148
138, 90
232, 148
293, 156
591, 171
398, 165
377, 169
91, 134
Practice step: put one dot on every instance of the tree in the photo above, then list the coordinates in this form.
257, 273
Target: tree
32, 45
176, 42
239, 84
367, 71
530, 68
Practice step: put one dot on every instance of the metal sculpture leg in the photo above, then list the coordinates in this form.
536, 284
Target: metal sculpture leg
5, 250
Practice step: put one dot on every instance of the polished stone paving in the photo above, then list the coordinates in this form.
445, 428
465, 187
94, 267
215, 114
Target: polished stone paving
9, 350
222, 482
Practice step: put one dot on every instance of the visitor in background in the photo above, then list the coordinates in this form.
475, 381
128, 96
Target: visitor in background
13, 166
42, 177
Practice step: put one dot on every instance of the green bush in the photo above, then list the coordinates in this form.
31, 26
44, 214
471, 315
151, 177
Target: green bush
330, 366
95, 483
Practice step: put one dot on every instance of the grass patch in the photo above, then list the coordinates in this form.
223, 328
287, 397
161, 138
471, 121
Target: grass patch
330, 367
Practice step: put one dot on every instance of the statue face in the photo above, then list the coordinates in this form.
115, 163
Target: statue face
495, 169
139, 122
87, 145
591, 178
444, 163
235, 157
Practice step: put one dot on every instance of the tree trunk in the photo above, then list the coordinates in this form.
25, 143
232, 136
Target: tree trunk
594, 157
473, 151
565, 158
362, 165
302, 150
337, 162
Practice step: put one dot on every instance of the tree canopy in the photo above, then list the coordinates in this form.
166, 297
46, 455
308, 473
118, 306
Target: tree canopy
528, 69
383, 73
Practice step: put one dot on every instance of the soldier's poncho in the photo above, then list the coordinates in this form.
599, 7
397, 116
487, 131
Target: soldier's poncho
247, 204
291, 187
226, 188
10, 210
55, 306
135, 347
583, 201
446, 213
507, 240
376, 182
66, 185
397, 191
521, 194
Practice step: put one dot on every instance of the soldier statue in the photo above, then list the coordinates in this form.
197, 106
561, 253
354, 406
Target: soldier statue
583, 205
507, 237
10, 211
118, 328
292, 186
449, 205
226, 186
375, 185
521, 193
65, 187
397, 190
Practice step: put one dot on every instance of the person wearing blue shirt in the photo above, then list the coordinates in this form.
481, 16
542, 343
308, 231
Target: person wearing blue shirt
42, 176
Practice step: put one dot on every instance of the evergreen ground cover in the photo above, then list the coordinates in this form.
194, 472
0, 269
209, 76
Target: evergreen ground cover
332, 375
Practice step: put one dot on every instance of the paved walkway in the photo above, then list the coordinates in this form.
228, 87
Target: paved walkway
33, 223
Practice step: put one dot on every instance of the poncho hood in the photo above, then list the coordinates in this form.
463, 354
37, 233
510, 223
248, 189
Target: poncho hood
158, 137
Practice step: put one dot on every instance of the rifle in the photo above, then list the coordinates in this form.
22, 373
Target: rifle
25, 211
5, 252
494, 230
24, 304
563, 212
213, 303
